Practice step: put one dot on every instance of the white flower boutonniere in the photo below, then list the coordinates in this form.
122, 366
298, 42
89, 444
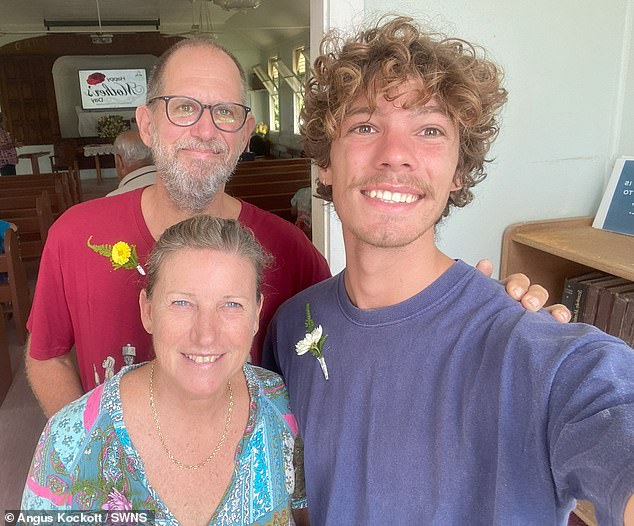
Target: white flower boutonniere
313, 342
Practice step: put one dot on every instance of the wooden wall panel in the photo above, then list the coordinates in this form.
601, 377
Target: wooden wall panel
27, 92
26, 98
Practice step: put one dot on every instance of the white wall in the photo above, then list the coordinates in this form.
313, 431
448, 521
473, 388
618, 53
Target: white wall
625, 128
570, 75
248, 54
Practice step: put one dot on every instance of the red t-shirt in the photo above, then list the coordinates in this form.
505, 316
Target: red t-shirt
81, 300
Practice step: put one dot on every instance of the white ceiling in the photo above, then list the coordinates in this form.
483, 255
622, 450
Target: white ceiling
272, 21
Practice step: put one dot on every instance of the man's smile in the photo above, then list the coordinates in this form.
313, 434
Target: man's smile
392, 197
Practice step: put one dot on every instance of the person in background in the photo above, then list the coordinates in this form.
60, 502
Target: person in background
4, 226
301, 204
8, 153
423, 393
196, 435
196, 123
133, 162
257, 145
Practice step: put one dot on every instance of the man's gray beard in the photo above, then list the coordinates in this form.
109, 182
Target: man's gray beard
193, 187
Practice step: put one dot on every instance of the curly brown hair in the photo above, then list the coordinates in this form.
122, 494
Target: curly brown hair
376, 61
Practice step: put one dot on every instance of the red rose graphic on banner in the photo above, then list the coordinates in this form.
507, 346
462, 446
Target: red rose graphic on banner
95, 78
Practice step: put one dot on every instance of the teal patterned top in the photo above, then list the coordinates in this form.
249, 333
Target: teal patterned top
85, 460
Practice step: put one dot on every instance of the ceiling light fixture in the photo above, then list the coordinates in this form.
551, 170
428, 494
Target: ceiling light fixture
58, 24
99, 23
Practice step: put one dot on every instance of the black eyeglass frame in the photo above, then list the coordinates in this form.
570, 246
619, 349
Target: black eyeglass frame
203, 107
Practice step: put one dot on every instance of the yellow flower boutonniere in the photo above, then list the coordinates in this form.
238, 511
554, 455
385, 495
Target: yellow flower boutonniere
121, 255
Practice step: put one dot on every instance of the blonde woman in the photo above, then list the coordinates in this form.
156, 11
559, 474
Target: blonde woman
197, 435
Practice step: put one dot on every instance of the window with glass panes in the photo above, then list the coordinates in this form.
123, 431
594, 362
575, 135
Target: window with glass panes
299, 68
274, 98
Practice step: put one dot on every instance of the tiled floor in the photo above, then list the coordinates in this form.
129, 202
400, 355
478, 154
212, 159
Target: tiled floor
21, 422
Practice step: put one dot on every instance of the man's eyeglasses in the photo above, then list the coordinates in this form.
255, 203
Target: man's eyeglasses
185, 111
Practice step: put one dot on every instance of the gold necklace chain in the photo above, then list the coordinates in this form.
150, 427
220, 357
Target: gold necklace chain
220, 443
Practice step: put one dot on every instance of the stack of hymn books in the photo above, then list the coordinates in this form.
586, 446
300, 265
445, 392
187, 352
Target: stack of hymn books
602, 300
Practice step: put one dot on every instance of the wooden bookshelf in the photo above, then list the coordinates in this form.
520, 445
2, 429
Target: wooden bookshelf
585, 512
550, 251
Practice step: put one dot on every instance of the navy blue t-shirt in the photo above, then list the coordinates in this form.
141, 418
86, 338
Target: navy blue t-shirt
456, 406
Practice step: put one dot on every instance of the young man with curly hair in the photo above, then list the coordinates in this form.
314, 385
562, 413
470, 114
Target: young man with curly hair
423, 393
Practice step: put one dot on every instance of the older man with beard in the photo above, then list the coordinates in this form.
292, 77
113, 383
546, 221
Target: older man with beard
197, 124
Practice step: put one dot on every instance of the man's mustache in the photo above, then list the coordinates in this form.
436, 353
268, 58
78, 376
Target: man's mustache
212, 145
410, 183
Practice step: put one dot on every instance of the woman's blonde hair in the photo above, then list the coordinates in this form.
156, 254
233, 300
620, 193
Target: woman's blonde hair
204, 232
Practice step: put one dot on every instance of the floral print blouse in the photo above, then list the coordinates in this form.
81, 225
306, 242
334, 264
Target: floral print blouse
85, 460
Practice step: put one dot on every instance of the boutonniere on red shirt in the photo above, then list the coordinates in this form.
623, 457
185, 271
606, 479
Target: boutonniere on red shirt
313, 342
121, 255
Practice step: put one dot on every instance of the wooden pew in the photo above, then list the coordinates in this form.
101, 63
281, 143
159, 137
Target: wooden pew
275, 162
36, 191
71, 184
21, 202
45, 215
33, 222
267, 187
261, 166
270, 184
16, 290
30, 238
61, 163
272, 165
277, 175
20, 180
6, 376
60, 182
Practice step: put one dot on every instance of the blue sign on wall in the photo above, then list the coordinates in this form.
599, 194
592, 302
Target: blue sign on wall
616, 211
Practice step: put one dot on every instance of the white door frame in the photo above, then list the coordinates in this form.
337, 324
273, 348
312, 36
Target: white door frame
326, 229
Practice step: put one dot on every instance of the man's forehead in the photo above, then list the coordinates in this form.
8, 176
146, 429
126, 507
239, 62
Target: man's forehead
206, 74
200, 61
